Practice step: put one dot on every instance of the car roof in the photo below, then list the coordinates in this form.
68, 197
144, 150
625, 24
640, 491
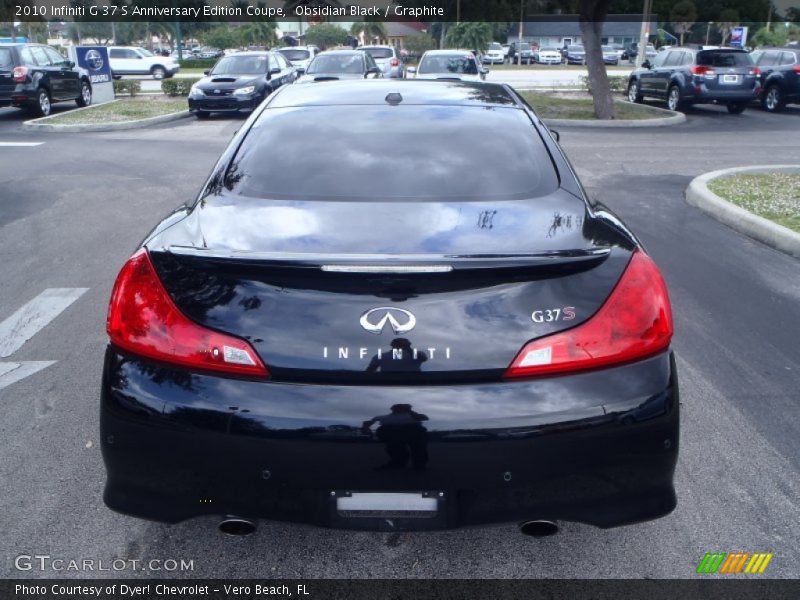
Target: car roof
374, 92
450, 51
375, 46
248, 53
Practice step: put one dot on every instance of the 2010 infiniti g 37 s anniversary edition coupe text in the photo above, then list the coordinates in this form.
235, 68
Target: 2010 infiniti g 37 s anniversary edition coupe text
359, 323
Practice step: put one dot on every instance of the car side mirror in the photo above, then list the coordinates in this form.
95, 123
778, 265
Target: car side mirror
207, 71
646, 65
69, 64
274, 71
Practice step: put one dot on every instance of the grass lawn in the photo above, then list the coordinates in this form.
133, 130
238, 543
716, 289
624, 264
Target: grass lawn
774, 196
554, 106
128, 109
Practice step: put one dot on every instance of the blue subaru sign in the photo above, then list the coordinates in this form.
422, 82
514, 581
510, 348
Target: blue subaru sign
95, 60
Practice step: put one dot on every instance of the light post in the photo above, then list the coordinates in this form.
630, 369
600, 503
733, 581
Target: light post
708, 30
519, 38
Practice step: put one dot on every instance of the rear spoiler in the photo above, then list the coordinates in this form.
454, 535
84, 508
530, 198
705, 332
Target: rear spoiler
401, 263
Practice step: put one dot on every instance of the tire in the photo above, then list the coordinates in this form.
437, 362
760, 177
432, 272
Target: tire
634, 95
736, 108
203, 114
42, 107
85, 97
674, 101
773, 100
158, 72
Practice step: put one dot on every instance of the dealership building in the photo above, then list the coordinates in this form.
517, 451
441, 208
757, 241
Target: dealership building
557, 31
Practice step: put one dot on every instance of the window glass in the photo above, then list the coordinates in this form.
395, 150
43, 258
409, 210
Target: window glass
672, 59
687, 58
717, 58
768, 58
40, 56
116, 53
241, 65
6, 59
379, 52
461, 64
658, 61
273, 62
293, 54
787, 58
449, 150
55, 57
350, 62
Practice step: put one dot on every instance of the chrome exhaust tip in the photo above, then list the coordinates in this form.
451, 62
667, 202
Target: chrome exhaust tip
236, 526
539, 528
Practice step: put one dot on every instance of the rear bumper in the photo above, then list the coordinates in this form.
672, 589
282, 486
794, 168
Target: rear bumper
598, 448
702, 94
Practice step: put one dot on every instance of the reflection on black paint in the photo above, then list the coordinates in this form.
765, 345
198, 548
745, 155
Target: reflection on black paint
401, 357
403, 434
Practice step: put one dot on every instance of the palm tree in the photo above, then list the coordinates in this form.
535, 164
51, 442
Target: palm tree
470, 36
259, 33
371, 30
728, 19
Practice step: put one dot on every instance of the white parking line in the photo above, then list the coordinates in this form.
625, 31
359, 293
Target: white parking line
19, 144
33, 316
13, 372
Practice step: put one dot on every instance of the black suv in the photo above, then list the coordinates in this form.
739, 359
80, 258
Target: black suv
685, 76
780, 76
33, 76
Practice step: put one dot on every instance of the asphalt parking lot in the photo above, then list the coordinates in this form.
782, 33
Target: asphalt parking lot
74, 206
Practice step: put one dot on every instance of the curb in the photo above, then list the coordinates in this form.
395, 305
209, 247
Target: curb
38, 125
761, 229
670, 117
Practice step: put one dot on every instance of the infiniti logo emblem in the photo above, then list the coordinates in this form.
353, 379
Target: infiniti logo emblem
375, 320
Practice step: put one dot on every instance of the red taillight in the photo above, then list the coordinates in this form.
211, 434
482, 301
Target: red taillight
796, 69
143, 319
20, 74
754, 71
635, 322
699, 70
395, 62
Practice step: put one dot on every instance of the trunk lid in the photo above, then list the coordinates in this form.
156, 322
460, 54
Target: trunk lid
467, 284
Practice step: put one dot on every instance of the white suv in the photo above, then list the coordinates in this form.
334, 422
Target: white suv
299, 56
130, 60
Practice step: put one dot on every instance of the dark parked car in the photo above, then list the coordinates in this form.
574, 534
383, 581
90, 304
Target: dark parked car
240, 82
33, 76
324, 337
334, 65
685, 76
575, 54
780, 76
520, 52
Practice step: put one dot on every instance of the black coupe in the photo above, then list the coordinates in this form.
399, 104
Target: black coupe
359, 323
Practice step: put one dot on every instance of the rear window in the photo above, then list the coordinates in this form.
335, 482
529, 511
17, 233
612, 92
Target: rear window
385, 153
457, 64
6, 58
337, 63
575, 48
296, 54
379, 52
715, 58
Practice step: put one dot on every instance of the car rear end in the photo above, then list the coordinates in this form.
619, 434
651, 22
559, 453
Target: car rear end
610, 56
494, 55
550, 56
392, 353
724, 76
387, 60
576, 55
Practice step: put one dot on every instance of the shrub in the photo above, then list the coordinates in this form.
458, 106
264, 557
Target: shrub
197, 63
617, 83
130, 87
178, 87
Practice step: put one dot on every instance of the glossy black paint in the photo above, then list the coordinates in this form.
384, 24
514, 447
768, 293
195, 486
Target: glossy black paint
598, 447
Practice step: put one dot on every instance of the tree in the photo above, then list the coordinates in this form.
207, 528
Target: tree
326, 35
774, 38
470, 36
221, 37
418, 44
372, 30
592, 16
259, 33
728, 19
683, 16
